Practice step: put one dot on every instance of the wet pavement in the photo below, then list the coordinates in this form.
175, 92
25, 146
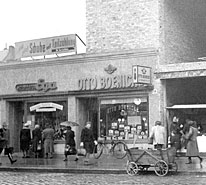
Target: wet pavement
105, 164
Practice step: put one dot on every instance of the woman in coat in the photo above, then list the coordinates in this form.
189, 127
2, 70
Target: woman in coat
192, 147
87, 140
69, 141
36, 139
25, 140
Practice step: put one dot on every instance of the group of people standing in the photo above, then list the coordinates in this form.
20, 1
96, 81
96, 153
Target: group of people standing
46, 139
185, 136
39, 140
179, 136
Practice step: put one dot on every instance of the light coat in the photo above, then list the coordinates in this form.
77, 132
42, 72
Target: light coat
192, 147
48, 138
158, 134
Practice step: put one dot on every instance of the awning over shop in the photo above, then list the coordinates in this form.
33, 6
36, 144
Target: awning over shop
189, 106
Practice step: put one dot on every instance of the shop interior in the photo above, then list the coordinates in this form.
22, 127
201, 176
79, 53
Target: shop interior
187, 91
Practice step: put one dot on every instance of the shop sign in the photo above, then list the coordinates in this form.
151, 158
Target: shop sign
114, 82
46, 46
141, 74
46, 110
41, 85
46, 107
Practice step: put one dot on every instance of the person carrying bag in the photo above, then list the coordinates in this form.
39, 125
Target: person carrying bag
70, 145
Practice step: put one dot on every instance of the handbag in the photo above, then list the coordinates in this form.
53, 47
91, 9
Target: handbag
70, 150
81, 152
39, 147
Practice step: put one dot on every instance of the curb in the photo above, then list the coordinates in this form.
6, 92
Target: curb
60, 170
88, 171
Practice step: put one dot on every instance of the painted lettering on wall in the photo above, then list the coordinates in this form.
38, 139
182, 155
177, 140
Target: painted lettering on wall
45, 86
115, 82
46, 46
40, 86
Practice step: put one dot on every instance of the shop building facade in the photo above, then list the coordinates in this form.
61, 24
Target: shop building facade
80, 88
113, 84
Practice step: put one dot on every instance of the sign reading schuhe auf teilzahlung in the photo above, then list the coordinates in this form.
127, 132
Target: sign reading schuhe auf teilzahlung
46, 46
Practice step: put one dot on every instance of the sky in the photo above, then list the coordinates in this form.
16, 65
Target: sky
23, 20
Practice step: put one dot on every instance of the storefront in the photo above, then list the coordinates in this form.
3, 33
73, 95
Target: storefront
184, 95
117, 92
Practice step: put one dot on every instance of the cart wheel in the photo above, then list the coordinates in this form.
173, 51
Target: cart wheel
161, 168
132, 168
173, 167
98, 149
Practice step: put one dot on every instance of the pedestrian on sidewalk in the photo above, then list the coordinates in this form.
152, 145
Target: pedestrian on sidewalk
185, 130
48, 139
36, 140
25, 139
192, 147
175, 134
87, 141
158, 134
4, 142
70, 145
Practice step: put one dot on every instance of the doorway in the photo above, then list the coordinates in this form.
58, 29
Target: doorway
88, 111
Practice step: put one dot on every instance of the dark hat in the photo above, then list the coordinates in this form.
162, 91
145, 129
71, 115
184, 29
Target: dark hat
158, 123
69, 127
190, 122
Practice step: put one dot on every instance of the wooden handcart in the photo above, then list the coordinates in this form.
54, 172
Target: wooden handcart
162, 160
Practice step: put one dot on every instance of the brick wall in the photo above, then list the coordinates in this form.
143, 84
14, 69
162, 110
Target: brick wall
184, 30
118, 25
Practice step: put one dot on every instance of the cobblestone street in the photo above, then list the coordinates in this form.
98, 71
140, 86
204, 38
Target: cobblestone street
22, 178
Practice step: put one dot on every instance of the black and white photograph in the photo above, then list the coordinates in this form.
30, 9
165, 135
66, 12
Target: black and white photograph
103, 92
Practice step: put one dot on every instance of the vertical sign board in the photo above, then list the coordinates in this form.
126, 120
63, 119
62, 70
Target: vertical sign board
46, 46
141, 74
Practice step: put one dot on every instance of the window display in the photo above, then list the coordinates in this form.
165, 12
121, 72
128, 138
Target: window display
124, 118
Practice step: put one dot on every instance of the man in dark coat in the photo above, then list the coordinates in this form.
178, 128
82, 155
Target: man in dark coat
87, 140
69, 142
4, 142
175, 134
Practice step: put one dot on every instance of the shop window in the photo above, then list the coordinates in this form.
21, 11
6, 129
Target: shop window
124, 118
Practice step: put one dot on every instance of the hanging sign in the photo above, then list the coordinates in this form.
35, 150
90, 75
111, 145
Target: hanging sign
141, 74
46, 106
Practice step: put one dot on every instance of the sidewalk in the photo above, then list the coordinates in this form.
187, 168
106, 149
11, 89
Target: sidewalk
105, 164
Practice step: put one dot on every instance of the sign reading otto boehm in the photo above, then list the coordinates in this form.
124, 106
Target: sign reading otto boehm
141, 74
46, 46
